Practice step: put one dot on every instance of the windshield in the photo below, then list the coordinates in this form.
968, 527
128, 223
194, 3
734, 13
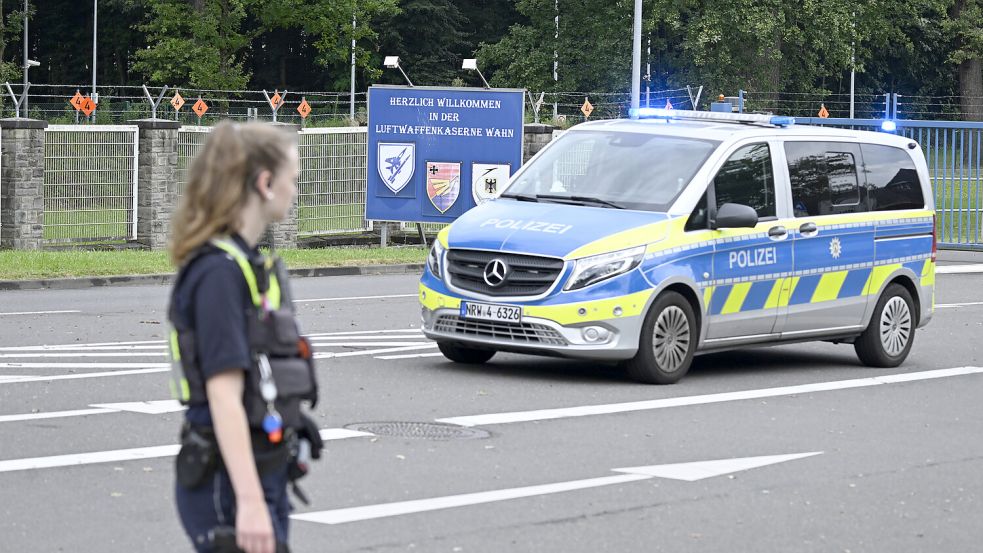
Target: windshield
613, 169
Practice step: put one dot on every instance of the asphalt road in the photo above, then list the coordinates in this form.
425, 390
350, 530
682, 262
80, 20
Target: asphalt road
888, 463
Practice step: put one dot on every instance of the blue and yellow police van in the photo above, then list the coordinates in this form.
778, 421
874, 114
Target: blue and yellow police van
650, 240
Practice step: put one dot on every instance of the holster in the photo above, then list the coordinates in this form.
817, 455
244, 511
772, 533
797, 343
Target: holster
200, 457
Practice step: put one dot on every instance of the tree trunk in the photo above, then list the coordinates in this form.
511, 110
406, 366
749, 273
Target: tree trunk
971, 89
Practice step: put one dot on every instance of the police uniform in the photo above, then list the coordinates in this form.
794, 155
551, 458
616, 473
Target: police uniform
230, 309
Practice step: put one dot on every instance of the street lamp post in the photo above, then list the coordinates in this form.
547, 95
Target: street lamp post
636, 59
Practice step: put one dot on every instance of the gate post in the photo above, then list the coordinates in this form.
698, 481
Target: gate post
156, 180
284, 233
22, 183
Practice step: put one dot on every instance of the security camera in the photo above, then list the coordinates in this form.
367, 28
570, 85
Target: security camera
33, 63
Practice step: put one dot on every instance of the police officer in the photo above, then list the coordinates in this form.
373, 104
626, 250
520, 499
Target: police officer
239, 361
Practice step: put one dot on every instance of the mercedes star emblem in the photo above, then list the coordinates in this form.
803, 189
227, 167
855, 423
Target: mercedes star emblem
495, 272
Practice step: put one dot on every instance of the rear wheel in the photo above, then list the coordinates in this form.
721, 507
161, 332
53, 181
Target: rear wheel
668, 341
464, 354
891, 331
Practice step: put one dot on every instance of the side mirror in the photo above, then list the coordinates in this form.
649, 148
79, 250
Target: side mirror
735, 216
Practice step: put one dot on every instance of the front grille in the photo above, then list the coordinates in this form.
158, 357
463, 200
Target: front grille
531, 333
528, 275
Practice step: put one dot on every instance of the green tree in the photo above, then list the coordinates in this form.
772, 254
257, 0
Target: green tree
11, 26
201, 43
966, 28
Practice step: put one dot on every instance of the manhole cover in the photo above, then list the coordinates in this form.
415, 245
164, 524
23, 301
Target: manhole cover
420, 430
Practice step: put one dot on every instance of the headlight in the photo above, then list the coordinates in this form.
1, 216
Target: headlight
596, 268
434, 257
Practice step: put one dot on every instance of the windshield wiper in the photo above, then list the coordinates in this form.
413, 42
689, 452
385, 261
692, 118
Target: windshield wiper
581, 199
521, 197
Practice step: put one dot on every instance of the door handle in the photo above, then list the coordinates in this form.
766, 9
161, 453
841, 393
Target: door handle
777, 233
808, 229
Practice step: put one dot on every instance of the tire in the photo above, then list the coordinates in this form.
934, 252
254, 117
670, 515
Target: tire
668, 341
891, 331
464, 354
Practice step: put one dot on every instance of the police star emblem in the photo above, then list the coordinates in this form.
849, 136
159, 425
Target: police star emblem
835, 248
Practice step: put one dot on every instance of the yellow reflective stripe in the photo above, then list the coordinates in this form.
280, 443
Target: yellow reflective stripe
273, 293
434, 300
775, 295
645, 234
708, 296
442, 236
568, 313
738, 293
185, 393
829, 286
928, 273
878, 275
230, 248
175, 350
787, 291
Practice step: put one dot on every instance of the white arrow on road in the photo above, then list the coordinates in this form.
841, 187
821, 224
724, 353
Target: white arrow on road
158, 407
681, 471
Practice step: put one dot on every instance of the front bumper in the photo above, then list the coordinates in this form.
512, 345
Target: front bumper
556, 330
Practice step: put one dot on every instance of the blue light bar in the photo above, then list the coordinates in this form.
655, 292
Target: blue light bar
661, 113
889, 126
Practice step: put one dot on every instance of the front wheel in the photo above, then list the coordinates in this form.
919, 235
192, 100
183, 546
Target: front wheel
668, 341
464, 354
891, 331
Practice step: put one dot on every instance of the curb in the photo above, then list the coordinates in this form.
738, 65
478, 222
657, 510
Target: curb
166, 278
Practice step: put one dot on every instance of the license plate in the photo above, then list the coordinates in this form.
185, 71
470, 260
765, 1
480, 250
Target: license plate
491, 312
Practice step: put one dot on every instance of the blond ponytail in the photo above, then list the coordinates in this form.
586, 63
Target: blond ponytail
220, 180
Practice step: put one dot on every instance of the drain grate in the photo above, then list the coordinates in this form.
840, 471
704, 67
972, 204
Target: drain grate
420, 430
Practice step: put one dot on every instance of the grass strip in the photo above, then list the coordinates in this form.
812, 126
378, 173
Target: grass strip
27, 265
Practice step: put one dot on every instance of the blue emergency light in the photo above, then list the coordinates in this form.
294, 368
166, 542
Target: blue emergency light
669, 114
889, 126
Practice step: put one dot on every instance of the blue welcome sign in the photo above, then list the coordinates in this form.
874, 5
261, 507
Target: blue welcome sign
434, 153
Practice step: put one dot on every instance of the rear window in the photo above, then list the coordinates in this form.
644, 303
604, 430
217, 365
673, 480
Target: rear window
891, 178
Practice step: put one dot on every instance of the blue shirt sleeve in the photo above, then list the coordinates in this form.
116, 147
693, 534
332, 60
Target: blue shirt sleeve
221, 303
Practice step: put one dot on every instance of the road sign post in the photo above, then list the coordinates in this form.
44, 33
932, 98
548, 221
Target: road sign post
276, 101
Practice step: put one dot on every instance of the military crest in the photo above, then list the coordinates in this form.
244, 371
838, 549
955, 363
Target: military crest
395, 163
443, 184
488, 180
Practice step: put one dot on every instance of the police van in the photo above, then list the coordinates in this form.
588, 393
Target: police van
650, 240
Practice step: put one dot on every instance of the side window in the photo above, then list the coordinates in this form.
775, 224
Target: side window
891, 178
746, 178
824, 178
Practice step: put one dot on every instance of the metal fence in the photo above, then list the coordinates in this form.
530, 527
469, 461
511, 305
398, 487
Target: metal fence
90, 183
953, 152
331, 184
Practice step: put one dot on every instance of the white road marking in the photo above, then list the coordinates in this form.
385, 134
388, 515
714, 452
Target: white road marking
41, 312
12, 365
84, 348
54, 415
368, 344
81, 354
332, 355
157, 407
358, 298
958, 269
410, 356
368, 512
681, 471
20, 379
368, 333
588, 410
153, 452
967, 304
698, 470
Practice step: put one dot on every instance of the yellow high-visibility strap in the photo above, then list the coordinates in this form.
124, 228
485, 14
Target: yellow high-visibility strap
272, 294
